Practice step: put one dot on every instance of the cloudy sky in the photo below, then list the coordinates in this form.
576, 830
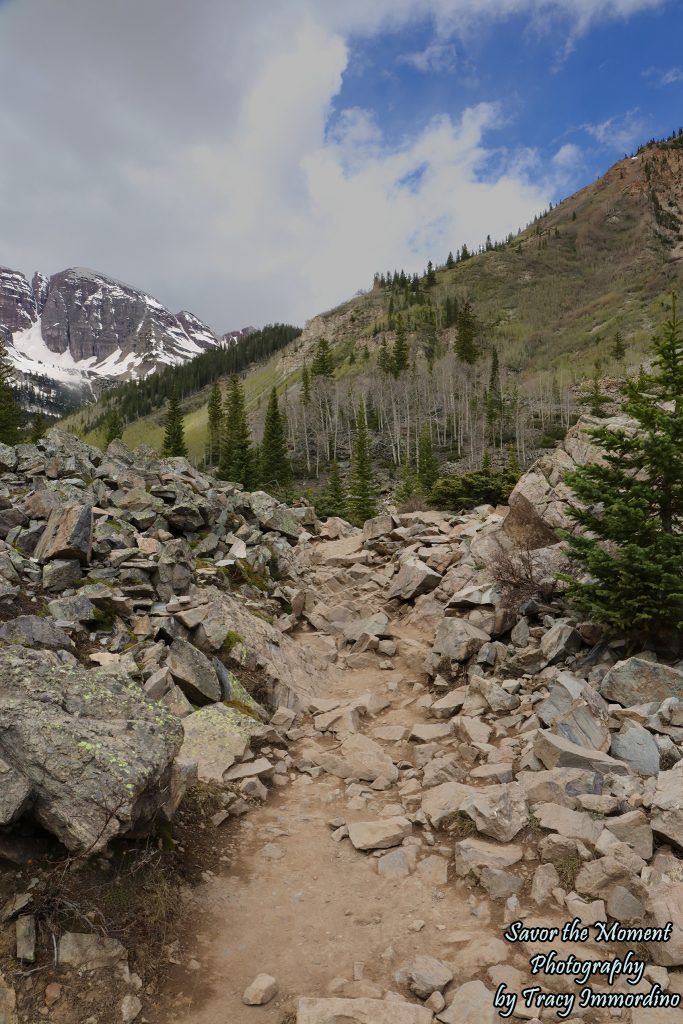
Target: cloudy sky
254, 162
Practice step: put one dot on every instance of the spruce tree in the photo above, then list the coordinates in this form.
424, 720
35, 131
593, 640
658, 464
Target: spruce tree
596, 398
466, 345
400, 356
450, 262
632, 507
113, 425
10, 415
275, 468
409, 487
361, 503
236, 455
332, 500
323, 364
618, 347
427, 462
305, 385
174, 430
215, 419
384, 358
38, 427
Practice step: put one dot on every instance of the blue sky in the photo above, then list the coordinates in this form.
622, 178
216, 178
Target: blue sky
258, 162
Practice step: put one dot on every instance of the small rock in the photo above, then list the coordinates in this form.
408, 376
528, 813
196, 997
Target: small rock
262, 989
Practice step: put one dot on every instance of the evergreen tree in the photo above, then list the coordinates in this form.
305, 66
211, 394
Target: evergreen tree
450, 262
215, 418
361, 503
466, 345
275, 468
596, 397
174, 429
38, 427
10, 415
632, 507
409, 487
400, 356
236, 455
332, 500
618, 347
322, 365
113, 425
427, 462
384, 358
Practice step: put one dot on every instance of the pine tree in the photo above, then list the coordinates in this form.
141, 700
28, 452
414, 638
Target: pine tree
618, 347
275, 468
38, 427
236, 456
215, 418
361, 503
10, 415
332, 500
409, 487
450, 262
113, 425
322, 365
632, 507
400, 355
427, 462
596, 398
384, 358
174, 431
466, 345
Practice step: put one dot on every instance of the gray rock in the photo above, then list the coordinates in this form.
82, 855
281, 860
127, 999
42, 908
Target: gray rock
61, 574
413, 579
498, 811
68, 535
425, 975
75, 609
215, 738
262, 989
471, 1004
443, 803
637, 680
380, 834
577, 712
476, 854
358, 757
15, 794
97, 753
193, 672
636, 746
633, 828
87, 952
456, 640
558, 752
560, 640
26, 938
35, 631
361, 1011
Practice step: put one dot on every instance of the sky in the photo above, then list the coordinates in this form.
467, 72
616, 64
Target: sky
258, 162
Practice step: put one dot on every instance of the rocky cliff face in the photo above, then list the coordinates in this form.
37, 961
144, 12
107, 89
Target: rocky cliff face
81, 328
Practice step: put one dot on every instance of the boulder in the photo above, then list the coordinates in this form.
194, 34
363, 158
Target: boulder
638, 680
442, 804
68, 534
193, 672
665, 903
380, 834
471, 1004
577, 712
476, 854
358, 757
636, 746
88, 952
361, 1011
378, 526
456, 640
215, 738
413, 579
560, 640
557, 752
15, 794
498, 811
425, 975
262, 989
35, 631
97, 753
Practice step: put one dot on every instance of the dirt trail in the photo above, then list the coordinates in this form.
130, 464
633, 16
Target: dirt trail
289, 901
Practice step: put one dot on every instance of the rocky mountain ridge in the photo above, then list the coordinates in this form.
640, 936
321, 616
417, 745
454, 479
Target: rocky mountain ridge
80, 330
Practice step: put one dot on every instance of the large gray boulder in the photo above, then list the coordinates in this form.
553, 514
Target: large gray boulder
97, 754
637, 680
68, 534
413, 579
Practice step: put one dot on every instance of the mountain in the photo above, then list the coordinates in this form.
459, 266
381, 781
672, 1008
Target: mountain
551, 301
75, 332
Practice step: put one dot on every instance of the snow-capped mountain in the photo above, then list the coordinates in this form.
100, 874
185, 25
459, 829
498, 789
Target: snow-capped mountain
79, 330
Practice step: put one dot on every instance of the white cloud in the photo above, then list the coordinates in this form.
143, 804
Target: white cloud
188, 148
437, 57
619, 133
671, 76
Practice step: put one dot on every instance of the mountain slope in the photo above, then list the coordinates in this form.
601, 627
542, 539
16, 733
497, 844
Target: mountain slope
551, 300
72, 333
